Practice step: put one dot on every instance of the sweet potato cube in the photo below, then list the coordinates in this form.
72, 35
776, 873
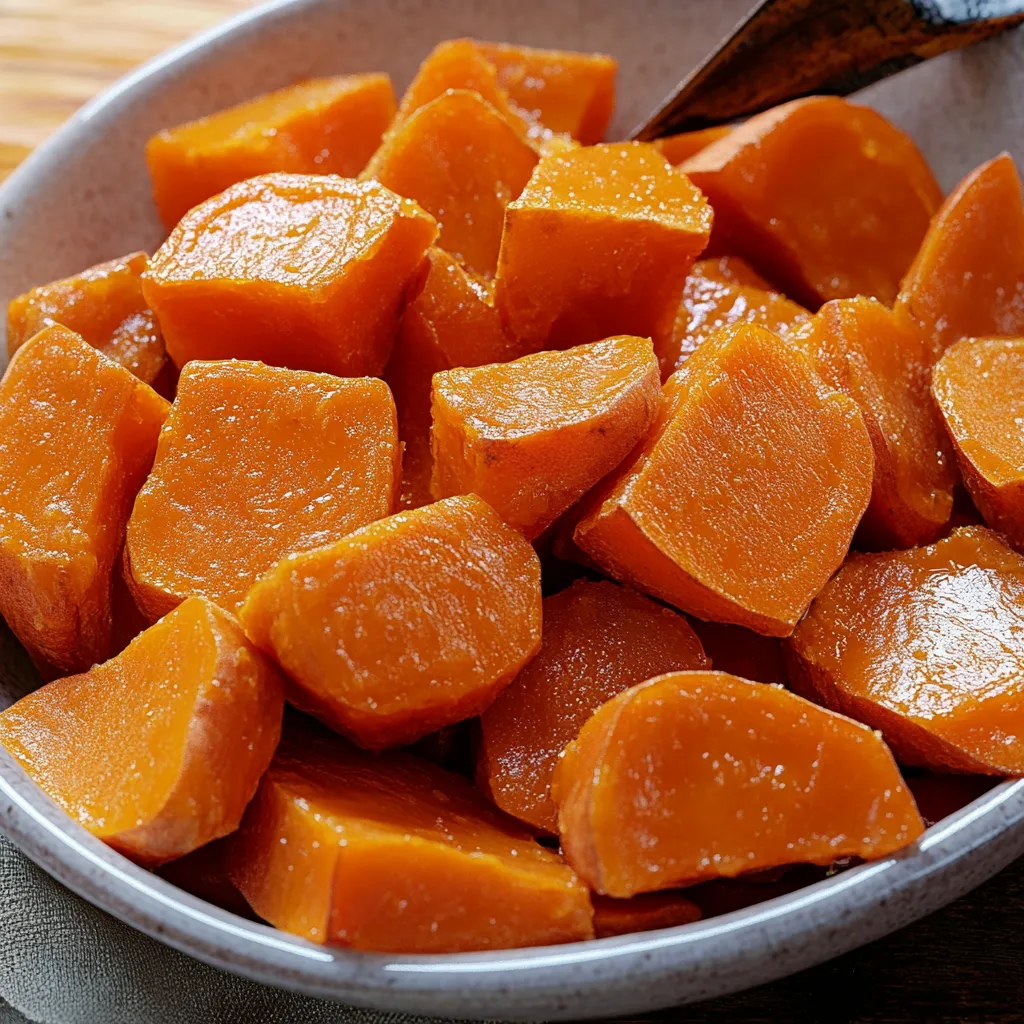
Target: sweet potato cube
255, 463
294, 270
321, 126
979, 389
406, 625
104, 305
599, 244
77, 437
599, 639
744, 498
699, 775
968, 277
826, 198
158, 750
395, 855
726, 291
463, 162
643, 913
742, 652
532, 436
677, 148
925, 646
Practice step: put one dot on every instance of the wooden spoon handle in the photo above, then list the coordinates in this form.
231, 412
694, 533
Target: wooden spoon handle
790, 48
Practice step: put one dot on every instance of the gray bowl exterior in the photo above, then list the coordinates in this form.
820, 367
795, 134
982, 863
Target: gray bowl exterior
84, 197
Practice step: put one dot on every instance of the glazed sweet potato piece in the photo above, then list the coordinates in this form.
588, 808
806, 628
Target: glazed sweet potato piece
698, 775
885, 367
967, 280
294, 270
406, 625
104, 305
742, 652
744, 498
255, 463
826, 198
599, 639
643, 913
463, 162
322, 126
925, 646
158, 750
77, 437
599, 244
396, 855
978, 386
677, 148
532, 436
726, 291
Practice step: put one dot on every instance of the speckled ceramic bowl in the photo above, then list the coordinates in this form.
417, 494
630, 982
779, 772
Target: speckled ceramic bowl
84, 197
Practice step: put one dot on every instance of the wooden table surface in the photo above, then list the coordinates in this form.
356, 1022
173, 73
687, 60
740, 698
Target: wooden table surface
964, 965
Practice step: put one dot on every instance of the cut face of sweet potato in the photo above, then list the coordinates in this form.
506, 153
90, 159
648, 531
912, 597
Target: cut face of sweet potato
967, 280
925, 646
406, 625
104, 305
463, 162
698, 775
255, 463
677, 148
599, 639
742, 652
158, 750
393, 854
979, 389
744, 497
322, 126
643, 913
77, 437
885, 367
599, 244
531, 436
774, 183
294, 270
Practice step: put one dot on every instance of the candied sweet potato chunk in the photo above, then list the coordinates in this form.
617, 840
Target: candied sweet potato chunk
104, 305
463, 162
698, 775
925, 645
599, 244
979, 388
677, 148
406, 625
304, 271
255, 463
643, 913
742, 652
599, 639
967, 280
158, 750
396, 855
321, 126
744, 498
532, 436
826, 198
77, 437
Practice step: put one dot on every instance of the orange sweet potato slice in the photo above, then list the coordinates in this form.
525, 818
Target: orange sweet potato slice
742, 652
726, 291
826, 198
396, 855
158, 750
599, 639
744, 498
643, 913
77, 437
406, 625
104, 305
979, 389
599, 244
677, 148
255, 463
463, 162
885, 366
925, 646
532, 436
967, 280
322, 126
294, 270
698, 775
